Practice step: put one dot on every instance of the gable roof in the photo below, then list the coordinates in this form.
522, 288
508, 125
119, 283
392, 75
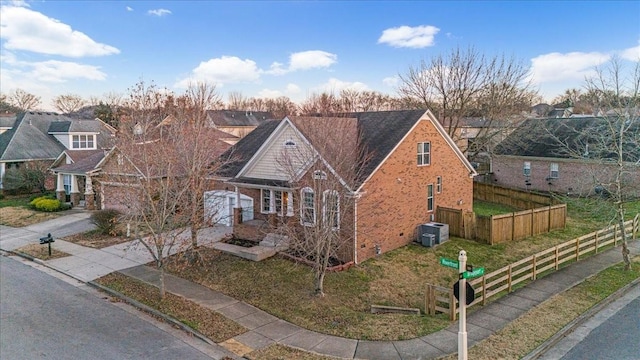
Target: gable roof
83, 161
236, 157
31, 136
238, 118
7, 121
375, 135
566, 138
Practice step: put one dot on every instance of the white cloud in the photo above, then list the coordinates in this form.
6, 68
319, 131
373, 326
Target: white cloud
159, 12
304, 60
412, 37
129, 8
293, 89
334, 85
25, 29
631, 54
224, 70
391, 81
554, 67
61, 71
311, 59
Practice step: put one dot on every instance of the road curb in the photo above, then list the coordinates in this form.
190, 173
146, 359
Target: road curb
140, 306
570, 327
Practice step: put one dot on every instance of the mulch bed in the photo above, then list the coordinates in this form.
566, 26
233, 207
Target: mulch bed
96, 240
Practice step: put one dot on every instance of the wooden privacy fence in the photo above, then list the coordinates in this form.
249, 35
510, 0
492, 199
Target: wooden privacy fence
497, 229
518, 199
439, 299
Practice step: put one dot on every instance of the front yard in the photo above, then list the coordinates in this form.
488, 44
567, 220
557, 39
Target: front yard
15, 212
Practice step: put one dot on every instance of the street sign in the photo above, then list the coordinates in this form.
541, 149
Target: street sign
449, 263
470, 293
472, 274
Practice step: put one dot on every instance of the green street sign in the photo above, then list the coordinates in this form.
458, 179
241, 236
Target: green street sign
472, 274
449, 263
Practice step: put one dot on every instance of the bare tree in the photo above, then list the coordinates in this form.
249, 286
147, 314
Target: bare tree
23, 100
237, 101
617, 140
465, 83
68, 103
331, 162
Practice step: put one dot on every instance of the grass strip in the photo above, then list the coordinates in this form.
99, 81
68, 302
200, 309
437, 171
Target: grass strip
208, 322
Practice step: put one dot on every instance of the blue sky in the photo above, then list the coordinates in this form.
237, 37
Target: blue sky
295, 48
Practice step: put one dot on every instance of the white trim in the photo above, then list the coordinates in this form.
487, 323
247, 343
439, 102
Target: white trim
427, 116
432, 197
303, 191
355, 231
324, 207
262, 147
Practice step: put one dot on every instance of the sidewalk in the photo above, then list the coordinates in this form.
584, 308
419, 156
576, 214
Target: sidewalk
265, 329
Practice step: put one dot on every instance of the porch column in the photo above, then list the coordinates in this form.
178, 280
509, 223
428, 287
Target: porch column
75, 193
237, 210
89, 201
61, 195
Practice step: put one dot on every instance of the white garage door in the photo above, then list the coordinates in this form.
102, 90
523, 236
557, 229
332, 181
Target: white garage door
219, 204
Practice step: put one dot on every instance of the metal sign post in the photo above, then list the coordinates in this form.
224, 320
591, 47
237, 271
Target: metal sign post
462, 331
47, 240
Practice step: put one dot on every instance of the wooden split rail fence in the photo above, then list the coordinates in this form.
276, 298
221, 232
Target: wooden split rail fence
439, 299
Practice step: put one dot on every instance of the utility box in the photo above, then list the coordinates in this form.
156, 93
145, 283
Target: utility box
428, 240
439, 230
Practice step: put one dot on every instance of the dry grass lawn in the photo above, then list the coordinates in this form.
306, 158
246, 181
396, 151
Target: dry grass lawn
41, 252
211, 324
20, 216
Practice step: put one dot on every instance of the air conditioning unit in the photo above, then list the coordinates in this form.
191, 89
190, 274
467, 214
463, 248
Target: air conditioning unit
428, 240
439, 230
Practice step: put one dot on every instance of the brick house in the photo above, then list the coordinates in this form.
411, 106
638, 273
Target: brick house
564, 155
236, 124
402, 166
41, 139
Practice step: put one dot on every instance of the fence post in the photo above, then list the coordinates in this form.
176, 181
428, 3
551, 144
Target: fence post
636, 222
615, 235
597, 242
484, 290
534, 267
557, 257
509, 278
577, 249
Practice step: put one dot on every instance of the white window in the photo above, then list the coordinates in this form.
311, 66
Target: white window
307, 207
266, 200
331, 208
439, 184
83, 142
66, 181
526, 169
280, 202
554, 173
424, 153
319, 175
430, 197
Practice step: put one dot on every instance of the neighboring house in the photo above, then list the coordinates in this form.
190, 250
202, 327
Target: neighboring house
39, 138
7, 120
548, 111
237, 124
406, 166
563, 155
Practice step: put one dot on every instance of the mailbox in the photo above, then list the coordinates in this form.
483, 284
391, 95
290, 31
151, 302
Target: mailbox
47, 239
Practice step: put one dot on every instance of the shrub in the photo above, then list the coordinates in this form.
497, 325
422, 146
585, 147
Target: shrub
45, 204
43, 195
106, 221
1, 196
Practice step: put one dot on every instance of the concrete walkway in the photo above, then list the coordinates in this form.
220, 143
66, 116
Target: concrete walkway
265, 329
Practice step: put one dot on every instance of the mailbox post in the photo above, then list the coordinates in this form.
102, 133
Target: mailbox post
47, 240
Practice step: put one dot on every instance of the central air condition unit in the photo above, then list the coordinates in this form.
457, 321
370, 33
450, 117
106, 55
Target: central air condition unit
424, 237
439, 230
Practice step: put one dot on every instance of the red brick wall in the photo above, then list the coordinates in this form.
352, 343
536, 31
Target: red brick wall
575, 177
394, 202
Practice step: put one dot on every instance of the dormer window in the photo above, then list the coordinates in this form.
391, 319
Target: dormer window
83, 142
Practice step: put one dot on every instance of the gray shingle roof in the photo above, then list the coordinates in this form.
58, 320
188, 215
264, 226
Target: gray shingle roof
238, 118
568, 138
7, 121
87, 162
30, 137
379, 131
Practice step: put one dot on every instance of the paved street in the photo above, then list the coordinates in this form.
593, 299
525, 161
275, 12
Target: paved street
44, 317
612, 333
